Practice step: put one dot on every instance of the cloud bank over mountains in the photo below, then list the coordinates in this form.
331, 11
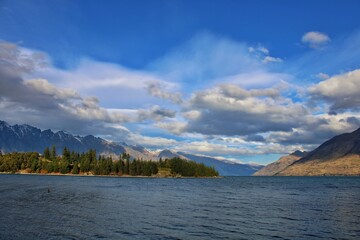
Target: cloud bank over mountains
212, 96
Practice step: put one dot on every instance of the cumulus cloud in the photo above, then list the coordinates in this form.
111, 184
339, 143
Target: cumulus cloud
43, 86
112, 83
192, 114
318, 129
16, 60
157, 89
315, 39
255, 138
237, 112
174, 127
263, 53
155, 113
234, 91
340, 91
46, 105
231, 110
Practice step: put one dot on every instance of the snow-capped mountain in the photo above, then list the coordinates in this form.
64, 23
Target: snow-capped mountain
27, 138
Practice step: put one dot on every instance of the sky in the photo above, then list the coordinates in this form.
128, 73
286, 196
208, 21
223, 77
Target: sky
246, 81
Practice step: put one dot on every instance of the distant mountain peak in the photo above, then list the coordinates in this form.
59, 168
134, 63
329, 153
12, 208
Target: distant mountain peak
3, 123
167, 153
299, 153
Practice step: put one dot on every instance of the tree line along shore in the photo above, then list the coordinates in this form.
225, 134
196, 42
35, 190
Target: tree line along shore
89, 163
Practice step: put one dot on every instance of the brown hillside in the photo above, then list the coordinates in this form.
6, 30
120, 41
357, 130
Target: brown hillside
348, 166
276, 167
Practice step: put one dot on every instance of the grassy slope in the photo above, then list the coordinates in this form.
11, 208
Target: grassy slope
348, 165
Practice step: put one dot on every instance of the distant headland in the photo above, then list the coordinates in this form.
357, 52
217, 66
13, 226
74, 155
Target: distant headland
89, 164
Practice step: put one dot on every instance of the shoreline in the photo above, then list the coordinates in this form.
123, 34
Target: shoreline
92, 175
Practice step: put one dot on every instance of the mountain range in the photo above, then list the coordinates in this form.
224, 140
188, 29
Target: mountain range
23, 138
338, 156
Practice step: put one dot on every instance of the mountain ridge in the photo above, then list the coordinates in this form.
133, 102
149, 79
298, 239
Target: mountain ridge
29, 138
339, 155
336, 147
24, 138
281, 164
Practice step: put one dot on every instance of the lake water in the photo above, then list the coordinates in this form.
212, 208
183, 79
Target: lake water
140, 208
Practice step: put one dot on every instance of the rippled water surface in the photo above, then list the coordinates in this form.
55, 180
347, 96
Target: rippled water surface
139, 208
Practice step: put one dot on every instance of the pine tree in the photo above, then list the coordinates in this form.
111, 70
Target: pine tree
66, 155
47, 153
64, 167
75, 169
53, 153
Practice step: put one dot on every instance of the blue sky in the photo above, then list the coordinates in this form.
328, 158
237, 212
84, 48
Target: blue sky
243, 80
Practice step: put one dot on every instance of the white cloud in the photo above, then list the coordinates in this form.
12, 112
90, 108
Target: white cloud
260, 49
234, 91
146, 141
262, 54
112, 83
214, 149
237, 112
322, 76
46, 105
91, 74
315, 39
269, 59
231, 110
341, 91
264, 50
174, 127
43, 86
14, 59
192, 115
204, 147
157, 89
318, 129
155, 113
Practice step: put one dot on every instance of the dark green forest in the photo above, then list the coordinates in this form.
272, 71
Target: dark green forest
70, 162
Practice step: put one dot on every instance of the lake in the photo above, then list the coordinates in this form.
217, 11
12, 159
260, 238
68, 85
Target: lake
153, 208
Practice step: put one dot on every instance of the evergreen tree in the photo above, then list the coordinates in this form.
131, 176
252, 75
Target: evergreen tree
14, 162
75, 169
53, 153
127, 167
64, 167
66, 155
47, 153
120, 166
50, 167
